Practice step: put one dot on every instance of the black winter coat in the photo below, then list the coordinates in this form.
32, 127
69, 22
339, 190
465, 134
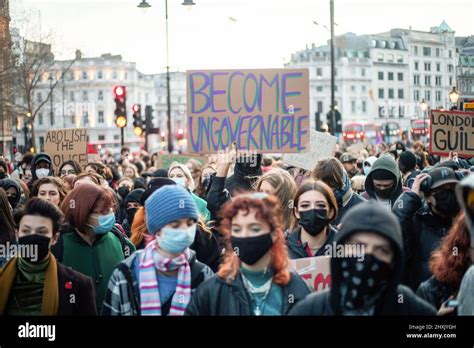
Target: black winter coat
216, 296
355, 199
319, 304
296, 249
434, 292
422, 231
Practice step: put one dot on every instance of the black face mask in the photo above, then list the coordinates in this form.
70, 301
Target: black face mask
362, 283
251, 249
130, 215
314, 221
446, 203
385, 193
38, 247
123, 191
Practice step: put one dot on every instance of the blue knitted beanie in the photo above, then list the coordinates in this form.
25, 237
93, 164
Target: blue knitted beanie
168, 204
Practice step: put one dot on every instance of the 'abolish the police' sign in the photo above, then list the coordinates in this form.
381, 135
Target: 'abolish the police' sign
67, 144
452, 131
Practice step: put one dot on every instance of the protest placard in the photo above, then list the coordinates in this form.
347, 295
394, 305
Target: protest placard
165, 160
67, 144
322, 145
315, 271
452, 131
264, 110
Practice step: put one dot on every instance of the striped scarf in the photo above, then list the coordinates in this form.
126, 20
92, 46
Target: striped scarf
150, 261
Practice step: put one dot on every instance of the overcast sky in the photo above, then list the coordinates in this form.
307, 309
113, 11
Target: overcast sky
263, 33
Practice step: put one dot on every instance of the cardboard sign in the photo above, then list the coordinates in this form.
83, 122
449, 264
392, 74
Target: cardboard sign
67, 144
322, 145
266, 110
165, 160
315, 271
452, 131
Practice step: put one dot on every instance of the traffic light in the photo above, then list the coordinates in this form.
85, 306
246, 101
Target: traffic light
148, 118
137, 119
318, 123
330, 122
180, 134
120, 98
338, 121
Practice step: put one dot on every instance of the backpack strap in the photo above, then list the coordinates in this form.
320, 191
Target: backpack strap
123, 241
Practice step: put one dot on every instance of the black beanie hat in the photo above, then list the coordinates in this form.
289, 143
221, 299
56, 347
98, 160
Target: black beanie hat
382, 174
407, 160
134, 196
154, 185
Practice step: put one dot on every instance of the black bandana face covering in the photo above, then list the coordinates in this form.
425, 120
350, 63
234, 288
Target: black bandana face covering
362, 284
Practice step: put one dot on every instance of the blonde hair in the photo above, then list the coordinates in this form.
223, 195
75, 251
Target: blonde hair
186, 172
285, 190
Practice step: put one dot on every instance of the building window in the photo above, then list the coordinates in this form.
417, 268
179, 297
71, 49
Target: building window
320, 106
114, 74
437, 52
416, 80
450, 54
101, 137
427, 51
39, 97
400, 94
391, 93
71, 96
399, 59
381, 94
380, 75
401, 111
450, 80
415, 50
450, 68
335, 88
380, 57
319, 72
40, 119
85, 115
427, 80
438, 96
364, 106
319, 88
416, 65
353, 88
99, 74
362, 71
100, 95
427, 66
400, 76
125, 75
353, 106
335, 71
73, 119
100, 117
363, 88
438, 67
438, 80
390, 58
85, 96
427, 95
116, 137
84, 75
416, 95
390, 76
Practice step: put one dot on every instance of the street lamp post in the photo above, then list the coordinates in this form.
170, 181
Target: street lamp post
424, 107
333, 81
51, 99
144, 5
453, 98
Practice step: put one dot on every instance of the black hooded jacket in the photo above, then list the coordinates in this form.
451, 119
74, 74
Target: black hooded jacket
387, 163
42, 156
296, 249
422, 231
6, 184
368, 217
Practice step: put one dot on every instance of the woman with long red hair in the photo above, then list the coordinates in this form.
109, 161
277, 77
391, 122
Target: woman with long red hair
253, 278
448, 264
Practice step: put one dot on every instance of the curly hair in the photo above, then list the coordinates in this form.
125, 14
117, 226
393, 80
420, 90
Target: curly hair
50, 180
451, 259
267, 209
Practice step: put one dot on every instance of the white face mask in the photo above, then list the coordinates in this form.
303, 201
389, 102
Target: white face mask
180, 182
41, 173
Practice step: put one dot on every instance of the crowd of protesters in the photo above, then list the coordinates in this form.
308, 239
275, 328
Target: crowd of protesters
126, 236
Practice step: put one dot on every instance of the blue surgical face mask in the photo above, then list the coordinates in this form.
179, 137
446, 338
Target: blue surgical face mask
174, 240
367, 170
180, 182
106, 222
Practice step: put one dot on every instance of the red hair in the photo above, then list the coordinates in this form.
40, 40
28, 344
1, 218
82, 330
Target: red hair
139, 229
446, 265
269, 210
82, 201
